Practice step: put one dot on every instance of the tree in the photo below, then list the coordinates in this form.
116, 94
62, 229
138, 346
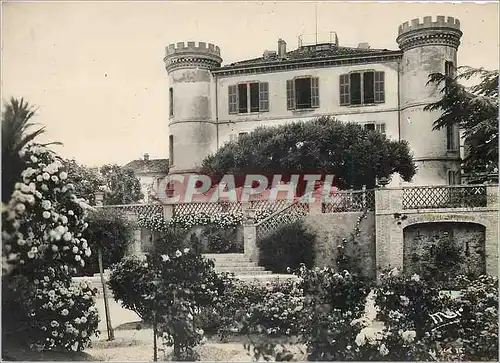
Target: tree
475, 110
123, 185
355, 156
15, 136
87, 181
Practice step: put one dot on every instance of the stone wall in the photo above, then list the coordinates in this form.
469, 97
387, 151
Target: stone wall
332, 227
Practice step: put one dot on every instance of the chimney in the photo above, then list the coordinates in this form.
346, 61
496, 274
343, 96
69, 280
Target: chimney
146, 156
281, 48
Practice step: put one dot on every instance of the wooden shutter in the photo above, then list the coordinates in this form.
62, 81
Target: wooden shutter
233, 99
344, 89
380, 128
314, 92
379, 87
263, 96
290, 95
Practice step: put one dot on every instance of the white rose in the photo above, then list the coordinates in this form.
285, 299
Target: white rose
45, 176
64, 312
55, 248
77, 258
178, 253
46, 214
71, 213
54, 178
46, 204
20, 207
63, 175
383, 350
75, 249
39, 178
64, 219
409, 335
415, 277
67, 236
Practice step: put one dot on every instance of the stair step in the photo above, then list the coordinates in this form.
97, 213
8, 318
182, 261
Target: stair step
224, 256
235, 265
240, 268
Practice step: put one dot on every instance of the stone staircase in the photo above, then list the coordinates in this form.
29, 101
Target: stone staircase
235, 263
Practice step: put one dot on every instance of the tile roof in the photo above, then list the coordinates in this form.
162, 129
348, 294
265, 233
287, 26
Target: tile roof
315, 52
142, 166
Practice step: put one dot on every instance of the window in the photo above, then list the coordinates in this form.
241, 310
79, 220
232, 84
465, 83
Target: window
241, 134
451, 140
362, 88
248, 97
380, 128
375, 127
302, 93
171, 149
171, 100
453, 177
449, 72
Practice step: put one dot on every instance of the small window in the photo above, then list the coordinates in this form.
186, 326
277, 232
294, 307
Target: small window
302, 93
451, 140
171, 100
370, 127
171, 149
233, 99
362, 88
453, 177
242, 98
449, 72
380, 128
241, 134
248, 97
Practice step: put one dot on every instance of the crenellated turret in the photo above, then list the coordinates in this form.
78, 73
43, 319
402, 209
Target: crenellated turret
428, 47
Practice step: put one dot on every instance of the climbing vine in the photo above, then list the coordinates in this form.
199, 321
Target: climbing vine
348, 260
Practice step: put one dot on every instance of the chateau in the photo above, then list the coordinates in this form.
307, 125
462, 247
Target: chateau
381, 89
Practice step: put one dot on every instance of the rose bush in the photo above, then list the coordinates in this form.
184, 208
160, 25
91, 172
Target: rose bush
43, 244
63, 313
44, 220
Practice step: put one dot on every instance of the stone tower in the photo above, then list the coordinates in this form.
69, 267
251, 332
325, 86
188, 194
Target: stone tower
428, 47
192, 108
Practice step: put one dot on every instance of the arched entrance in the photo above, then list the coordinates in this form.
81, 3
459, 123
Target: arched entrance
444, 250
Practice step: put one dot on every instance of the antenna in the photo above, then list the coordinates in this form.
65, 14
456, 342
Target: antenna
316, 16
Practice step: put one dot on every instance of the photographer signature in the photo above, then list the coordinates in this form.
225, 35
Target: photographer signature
443, 318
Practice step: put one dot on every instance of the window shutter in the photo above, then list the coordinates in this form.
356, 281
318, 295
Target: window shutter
263, 96
380, 128
290, 95
379, 87
233, 99
344, 89
314, 92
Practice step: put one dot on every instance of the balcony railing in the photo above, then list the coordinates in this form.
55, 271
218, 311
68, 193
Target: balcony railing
350, 201
435, 197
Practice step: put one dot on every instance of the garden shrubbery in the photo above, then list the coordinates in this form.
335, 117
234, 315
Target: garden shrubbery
43, 228
289, 246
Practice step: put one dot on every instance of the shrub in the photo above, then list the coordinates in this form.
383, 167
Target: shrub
287, 247
332, 302
52, 311
221, 241
273, 309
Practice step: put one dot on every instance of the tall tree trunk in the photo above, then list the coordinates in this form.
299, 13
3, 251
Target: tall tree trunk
111, 333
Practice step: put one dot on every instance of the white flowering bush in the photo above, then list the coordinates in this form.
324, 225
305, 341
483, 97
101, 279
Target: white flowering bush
173, 285
190, 220
63, 314
272, 309
43, 245
44, 220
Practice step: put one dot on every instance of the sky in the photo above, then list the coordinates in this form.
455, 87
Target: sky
95, 70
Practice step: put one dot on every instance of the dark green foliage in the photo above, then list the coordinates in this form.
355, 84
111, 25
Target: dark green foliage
86, 180
288, 247
16, 122
354, 155
221, 241
475, 110
113, 232
124, 187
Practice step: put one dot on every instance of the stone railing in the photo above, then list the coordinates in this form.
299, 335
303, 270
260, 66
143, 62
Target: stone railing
438, 197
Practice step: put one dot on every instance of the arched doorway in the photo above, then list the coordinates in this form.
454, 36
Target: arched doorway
444, 250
